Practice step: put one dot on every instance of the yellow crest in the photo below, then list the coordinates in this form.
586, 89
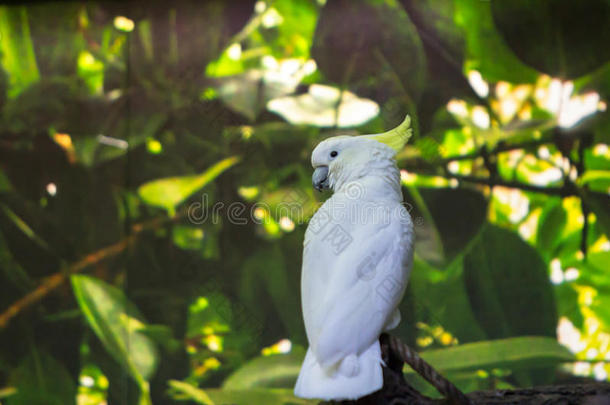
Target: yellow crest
395, 138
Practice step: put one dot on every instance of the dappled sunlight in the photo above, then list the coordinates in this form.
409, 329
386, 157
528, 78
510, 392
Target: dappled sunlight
412, 179
93, 386
557, 97
458, 107
513, 202
512, 104
592, 347
434, 335
325, 106
480, 117
282, 347
248, 193
124, 24
477, 83
275, 78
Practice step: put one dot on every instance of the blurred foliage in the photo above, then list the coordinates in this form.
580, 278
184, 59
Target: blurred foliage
164, 150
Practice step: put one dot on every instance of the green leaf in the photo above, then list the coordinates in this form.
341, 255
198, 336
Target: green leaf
601, 307
515, 353
91, 71
42, 380
277, 370
440, 298
562, 37
368, 37
486, 50
24, 228
191, 392
119, 326
599, 203
12, 271
171, 191
259, 397
295, 33
7, 392
446, 229
267, 269
163, 336
18, 58
567, 303
550, 227
506, 279
185, 391
598, 180
436, 17
188, 237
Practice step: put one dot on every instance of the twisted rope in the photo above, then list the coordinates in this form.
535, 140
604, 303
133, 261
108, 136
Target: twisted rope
442, 385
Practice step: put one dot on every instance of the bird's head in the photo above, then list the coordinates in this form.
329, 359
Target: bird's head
342, 158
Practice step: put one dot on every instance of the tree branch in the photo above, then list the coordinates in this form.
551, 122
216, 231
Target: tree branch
54, 281
396, 391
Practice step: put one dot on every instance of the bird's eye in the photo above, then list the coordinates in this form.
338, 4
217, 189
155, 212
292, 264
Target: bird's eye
334, 153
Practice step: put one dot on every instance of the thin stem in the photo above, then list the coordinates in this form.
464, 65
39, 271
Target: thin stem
563, 191
54, 281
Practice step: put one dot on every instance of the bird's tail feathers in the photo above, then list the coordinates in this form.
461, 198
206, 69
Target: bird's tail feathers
355, 377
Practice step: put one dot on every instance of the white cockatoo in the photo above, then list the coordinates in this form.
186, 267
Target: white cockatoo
358, 253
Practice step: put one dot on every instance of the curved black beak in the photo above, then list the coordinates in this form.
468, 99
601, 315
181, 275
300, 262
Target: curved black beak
319, 178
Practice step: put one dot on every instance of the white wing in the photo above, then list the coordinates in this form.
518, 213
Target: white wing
354, 276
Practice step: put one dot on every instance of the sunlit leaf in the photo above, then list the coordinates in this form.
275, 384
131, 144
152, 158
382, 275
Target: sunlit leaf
486, 51
208, 315
18, 57
292, 202
225, 65
515, 353
598, 180
190, 392
188, 237
295, 33
91, 71
117, 323
170, 192
7, 392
